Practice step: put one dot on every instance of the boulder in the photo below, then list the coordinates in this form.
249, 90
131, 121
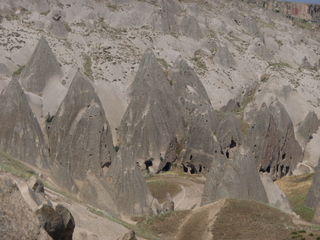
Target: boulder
17, 220
57, 28
129, 236
190, 27
234, 178
168, 205
153, 117
20, 133
58, 223
41, 67
305, 63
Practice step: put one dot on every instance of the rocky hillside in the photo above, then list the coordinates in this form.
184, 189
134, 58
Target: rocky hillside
98, 96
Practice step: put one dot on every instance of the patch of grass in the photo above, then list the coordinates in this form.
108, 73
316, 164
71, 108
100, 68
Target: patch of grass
198, 61
163, 63
165, 225
246, 100
19, 70
296, 188
243, 219
159, 189
87, 65
280, 64
15, 167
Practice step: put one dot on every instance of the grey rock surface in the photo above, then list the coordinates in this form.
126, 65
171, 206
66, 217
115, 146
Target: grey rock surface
58, 29
235, 178
229, 135
225, 58
168, 205
129, 236
153, 117
20, 133
308, 127
263, 139
58, 223
41, 67
128, 188
17, 220
313, 196
276, 197
200, 120
79, 134
290, 150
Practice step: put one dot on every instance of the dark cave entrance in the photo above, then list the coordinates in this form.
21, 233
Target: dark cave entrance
167, 167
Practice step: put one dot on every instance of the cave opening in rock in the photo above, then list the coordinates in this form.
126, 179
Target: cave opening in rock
283, 156
185, 169
148, 164
227, 154
191, 157
200, 168
233, 144
167, 167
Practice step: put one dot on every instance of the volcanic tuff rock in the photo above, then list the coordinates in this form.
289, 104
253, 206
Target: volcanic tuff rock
290, 150
225, 58
153, 117
79, 134
41, 67
236, 178
263, 140
309, 126
200, 118
229, 135
128, 188
58, 222
20, 133
17, 220
313, 196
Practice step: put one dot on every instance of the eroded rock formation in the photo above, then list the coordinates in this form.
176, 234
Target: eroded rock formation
20, 133
153, 117
79, 134
41, 67
313, 196
236, 178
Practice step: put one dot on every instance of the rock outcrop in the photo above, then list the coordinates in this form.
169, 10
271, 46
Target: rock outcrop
290, 150
153, 117
128, 188
17, 220
58, 222
272, 141
229, 136
20, 133
41, 67
168, 205
309, 126
200, 119
129, 236
235, 178
276, 197
79, 134
225, 58
313, 196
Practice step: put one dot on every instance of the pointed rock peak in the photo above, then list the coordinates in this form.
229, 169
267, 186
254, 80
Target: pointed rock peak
20, 133
41, 67
81, 82
150, 75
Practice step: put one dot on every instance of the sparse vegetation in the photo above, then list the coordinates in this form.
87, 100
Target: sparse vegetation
163, 63
280, 64
87, 65
15, 167
296, 188
19, 70
159, 188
